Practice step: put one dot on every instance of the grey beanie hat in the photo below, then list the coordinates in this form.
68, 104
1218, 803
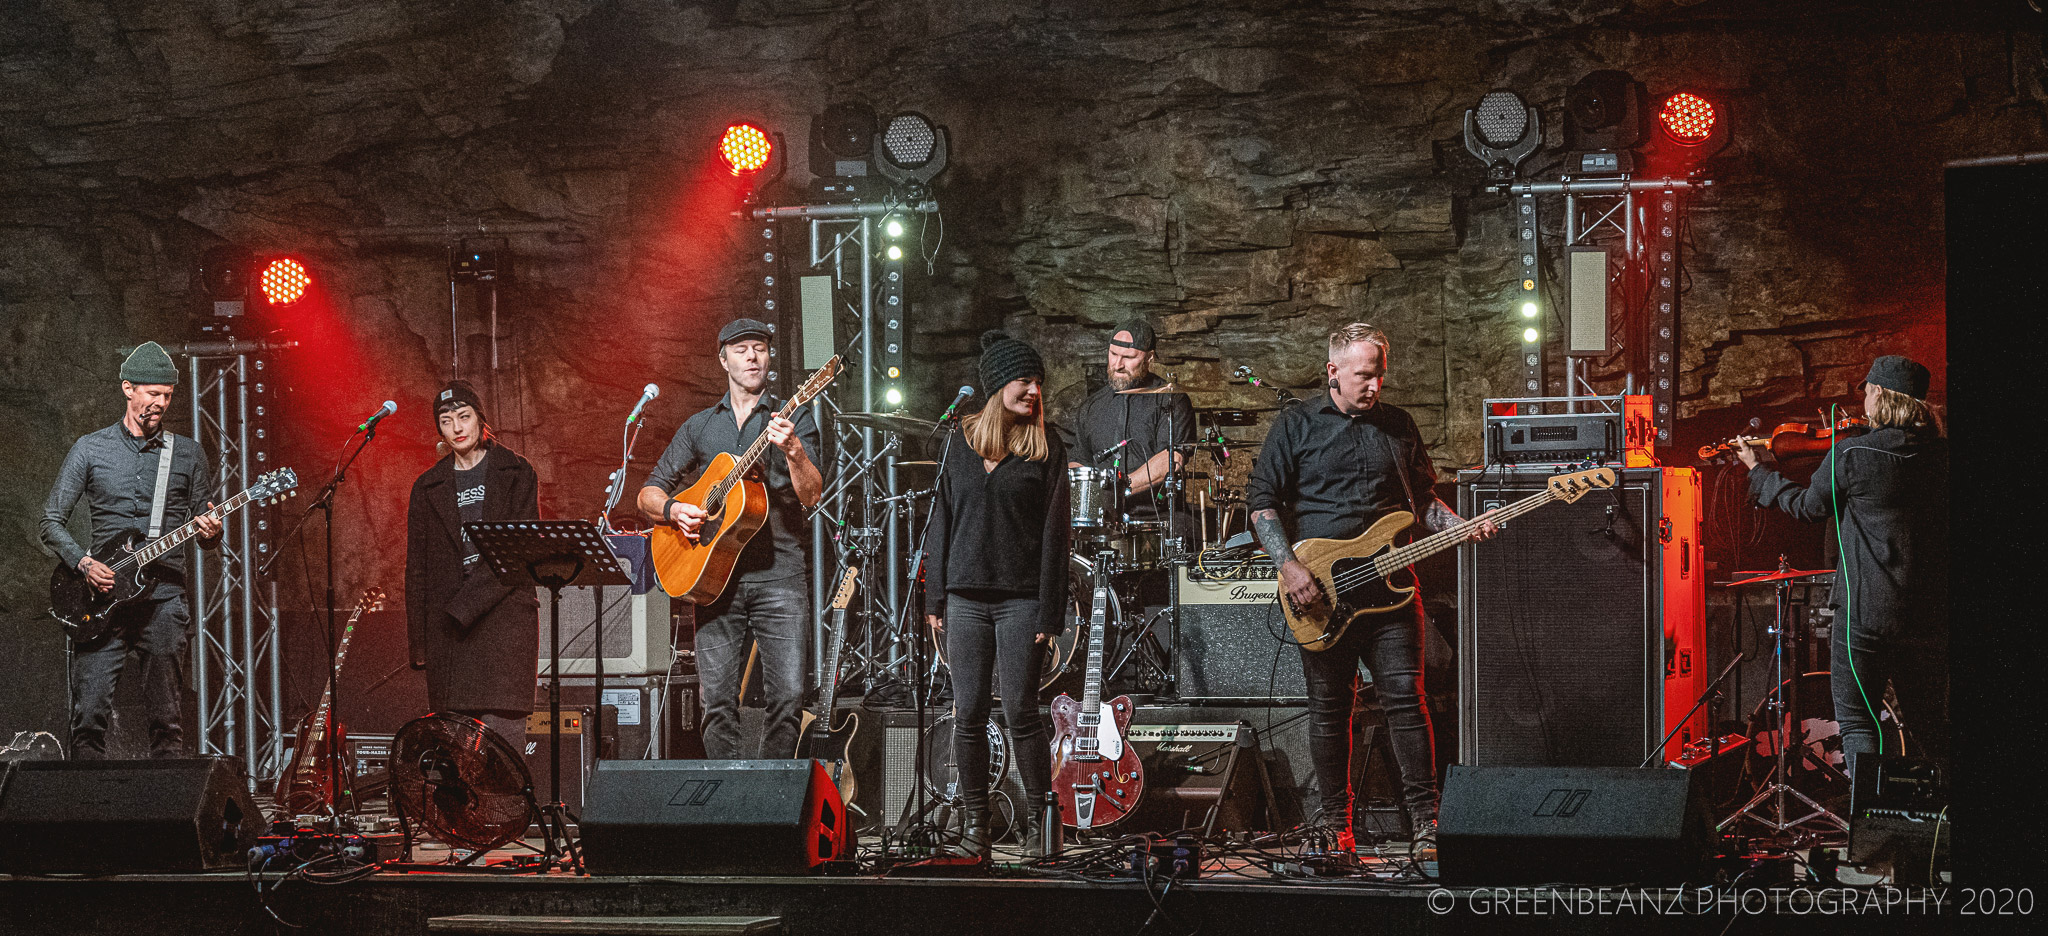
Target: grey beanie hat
149, 363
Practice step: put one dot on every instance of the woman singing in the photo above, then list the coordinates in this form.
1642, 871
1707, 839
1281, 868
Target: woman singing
997, 585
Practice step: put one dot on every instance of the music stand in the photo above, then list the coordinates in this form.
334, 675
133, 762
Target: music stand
553, 554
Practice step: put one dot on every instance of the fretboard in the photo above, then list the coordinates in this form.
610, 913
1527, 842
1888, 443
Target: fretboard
156, 549
1091, 693
1404, 556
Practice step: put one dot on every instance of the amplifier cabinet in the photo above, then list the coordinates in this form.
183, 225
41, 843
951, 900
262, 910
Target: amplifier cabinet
637, 620
1581, 626
1234, 646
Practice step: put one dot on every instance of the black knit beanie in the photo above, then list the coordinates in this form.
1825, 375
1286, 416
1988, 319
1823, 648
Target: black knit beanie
1004, 359
458, 393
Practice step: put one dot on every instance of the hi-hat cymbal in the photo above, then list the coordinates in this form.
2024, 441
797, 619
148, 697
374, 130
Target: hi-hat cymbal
1775, 576
917, 464
888, 422
1162, 388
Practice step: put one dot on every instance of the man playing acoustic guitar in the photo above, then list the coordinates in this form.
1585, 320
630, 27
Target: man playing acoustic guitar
1328, 470
766, 600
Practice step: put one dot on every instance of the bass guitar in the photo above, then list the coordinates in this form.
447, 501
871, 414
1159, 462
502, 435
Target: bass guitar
306, 785
817, 738
1095, 772
87, 612
735, 504
1368, 574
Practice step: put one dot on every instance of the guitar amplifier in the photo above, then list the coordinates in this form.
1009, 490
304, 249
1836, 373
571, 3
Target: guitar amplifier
899, 771
1192, 777
637, 619
575, 756
1233, 644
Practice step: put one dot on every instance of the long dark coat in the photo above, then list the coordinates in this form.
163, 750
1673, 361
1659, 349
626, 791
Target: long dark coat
479, 640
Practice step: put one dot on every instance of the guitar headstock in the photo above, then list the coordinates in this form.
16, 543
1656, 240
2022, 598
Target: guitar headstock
819, 380
1571, 487
844, 595
274, 486
371, 600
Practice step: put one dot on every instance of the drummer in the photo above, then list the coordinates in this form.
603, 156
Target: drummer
1132, 434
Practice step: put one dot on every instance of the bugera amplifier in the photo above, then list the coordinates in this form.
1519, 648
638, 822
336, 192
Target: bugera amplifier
1234, 645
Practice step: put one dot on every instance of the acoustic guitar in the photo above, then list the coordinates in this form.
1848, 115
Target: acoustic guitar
817, 738
306, 785
1368, 574
1095, 771
735, 504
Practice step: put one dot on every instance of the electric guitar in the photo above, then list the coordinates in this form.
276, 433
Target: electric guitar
816, 738
87, 612
735, 504
1095, 771
1368, 574
306, 785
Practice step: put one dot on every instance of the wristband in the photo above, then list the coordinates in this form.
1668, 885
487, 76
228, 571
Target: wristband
668, 511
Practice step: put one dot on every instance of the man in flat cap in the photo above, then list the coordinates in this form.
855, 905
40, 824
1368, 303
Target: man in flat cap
1886, 493
766, 600
133, 475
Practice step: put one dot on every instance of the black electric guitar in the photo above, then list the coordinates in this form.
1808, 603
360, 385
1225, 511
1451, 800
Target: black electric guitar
87, 612
817, 739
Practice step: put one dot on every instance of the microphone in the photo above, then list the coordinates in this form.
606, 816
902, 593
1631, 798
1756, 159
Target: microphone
1105, 453
958, 399
647, 395
387, 409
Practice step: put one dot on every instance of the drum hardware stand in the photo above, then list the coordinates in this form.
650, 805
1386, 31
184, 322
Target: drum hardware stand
1713, 691
1791, 731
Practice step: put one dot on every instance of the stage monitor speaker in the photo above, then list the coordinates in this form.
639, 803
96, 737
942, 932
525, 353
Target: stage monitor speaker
712, 817
109, 817
1581, 627
1234, 646
1570, 825
637, 620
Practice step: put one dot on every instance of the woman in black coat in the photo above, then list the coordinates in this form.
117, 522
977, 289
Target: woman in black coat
477, 639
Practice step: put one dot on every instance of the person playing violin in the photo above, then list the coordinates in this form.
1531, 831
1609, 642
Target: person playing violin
1886, 492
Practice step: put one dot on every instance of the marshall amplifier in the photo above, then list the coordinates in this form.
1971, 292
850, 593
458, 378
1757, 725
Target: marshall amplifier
1193, 778
1234, 646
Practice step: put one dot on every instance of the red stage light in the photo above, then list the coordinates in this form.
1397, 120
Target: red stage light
284, 280
1687, 118
745, 148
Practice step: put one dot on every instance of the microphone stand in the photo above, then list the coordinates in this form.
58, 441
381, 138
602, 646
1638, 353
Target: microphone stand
324, 502
917, 640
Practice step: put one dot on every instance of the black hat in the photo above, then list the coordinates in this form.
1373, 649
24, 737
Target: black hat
1004, 359
745, 328
457, 394
1899, 374
149, 363
1142, 337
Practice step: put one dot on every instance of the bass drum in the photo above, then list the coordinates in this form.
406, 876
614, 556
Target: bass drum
1065, 663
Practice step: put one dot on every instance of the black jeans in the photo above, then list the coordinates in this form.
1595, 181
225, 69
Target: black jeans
1918, 672
154, 627
996, 636
774, 614
1391, 646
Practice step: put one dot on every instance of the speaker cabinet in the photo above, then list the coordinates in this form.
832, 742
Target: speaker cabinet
712, 817
637, 620
1233, 643
1581, 626
899, 769
107, 817
1572, 825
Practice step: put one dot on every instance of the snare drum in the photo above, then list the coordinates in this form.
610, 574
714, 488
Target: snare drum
1140, 545
1092, 494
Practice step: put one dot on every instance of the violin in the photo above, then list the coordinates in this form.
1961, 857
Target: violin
1790, 440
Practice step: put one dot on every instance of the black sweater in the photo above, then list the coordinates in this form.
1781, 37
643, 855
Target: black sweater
1004, 531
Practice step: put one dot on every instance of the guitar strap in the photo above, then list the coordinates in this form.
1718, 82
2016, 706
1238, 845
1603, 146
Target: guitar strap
163, 486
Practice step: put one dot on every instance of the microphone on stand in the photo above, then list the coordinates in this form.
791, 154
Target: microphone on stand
387, 409
646, 396
958, 398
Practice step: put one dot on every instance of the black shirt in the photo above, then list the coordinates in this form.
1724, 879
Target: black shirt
777, 551
1003, 531
1331, 475
1149, 420
115, 473
469, 505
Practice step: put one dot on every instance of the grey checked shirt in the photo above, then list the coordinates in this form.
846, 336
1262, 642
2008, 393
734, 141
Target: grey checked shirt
116, 474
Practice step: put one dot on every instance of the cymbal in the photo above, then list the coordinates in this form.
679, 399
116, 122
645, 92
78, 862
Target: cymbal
1775, 576
889, 422
1227, 417
1162, 388
917, 464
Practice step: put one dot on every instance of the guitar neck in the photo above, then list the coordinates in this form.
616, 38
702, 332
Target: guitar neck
1091, 693
156, 548
1404, 556
752, 454
829, 692
340, 656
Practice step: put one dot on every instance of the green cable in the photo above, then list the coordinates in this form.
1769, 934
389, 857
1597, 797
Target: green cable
1848, 593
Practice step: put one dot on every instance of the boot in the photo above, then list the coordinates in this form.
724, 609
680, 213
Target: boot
974, 840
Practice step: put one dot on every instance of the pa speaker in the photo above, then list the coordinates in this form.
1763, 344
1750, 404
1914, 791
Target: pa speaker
711, 817
1569, 825
107, 817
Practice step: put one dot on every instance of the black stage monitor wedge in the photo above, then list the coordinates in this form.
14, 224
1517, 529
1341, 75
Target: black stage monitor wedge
1570, 825
711, 817
110, 817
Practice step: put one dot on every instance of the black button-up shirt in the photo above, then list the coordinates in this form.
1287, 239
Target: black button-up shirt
1331, 475
777, 551
1150, 421
115, 473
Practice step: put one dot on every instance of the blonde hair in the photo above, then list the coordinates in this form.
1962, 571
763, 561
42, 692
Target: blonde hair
1354, 333
1897, 409
992, 435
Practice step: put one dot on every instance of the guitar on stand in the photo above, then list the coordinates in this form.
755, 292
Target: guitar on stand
735, 505
1364, 574
1095, 772
817, 739
307, 785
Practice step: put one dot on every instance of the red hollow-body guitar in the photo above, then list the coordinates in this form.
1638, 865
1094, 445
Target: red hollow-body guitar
1095, 772
306, 785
